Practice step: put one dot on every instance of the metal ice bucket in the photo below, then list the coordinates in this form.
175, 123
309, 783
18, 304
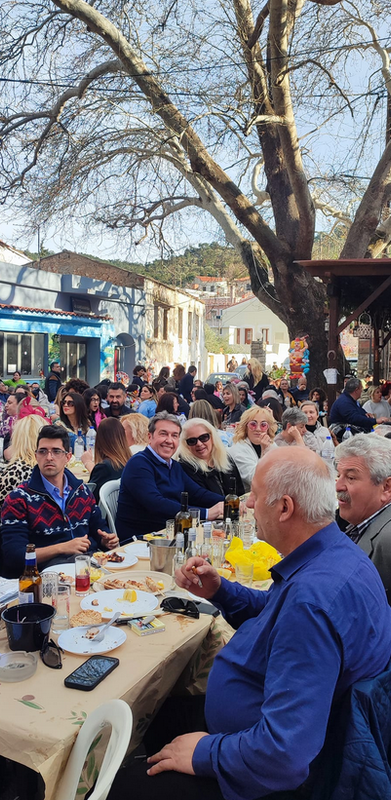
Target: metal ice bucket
162, 552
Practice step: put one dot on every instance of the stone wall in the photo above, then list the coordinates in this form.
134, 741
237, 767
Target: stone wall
258, 350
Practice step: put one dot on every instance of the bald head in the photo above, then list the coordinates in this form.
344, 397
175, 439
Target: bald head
293, 496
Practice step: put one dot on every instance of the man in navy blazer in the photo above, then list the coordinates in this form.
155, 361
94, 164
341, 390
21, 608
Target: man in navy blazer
152, 483
345, 410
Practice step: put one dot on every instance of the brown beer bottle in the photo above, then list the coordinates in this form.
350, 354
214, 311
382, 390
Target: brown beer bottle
30, 583
183, 518
231, 502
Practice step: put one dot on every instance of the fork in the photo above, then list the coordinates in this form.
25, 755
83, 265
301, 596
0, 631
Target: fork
101, 635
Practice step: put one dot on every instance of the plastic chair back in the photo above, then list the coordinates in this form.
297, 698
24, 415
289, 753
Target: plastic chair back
108, 500
117, 714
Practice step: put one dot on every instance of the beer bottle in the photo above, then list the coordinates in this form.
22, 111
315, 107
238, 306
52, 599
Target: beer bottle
231, 502
183, 518
30, 583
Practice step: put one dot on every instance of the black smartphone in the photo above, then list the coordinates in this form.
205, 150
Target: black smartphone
92, 672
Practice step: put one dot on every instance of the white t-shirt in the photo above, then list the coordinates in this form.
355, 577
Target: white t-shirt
382, 409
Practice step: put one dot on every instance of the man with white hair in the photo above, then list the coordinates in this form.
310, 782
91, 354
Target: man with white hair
323, 625
364, 495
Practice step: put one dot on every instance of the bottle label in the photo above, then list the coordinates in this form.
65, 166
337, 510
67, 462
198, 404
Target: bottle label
26, 597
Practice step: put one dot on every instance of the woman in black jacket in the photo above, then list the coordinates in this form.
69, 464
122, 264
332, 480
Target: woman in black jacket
111, 454
204, 458
233, 408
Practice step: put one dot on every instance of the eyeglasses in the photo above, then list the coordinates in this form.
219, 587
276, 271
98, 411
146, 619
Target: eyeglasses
253, 425
177, 605
56, 452
68, 403
194, 439
51, 655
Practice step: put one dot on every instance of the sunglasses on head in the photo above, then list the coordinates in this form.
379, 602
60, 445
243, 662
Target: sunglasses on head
51, 655
194, 439
177, 605
253, 425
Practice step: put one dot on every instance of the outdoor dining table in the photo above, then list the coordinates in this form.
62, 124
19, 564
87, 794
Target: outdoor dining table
40, 717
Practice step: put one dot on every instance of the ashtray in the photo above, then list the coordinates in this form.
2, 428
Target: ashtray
17, 666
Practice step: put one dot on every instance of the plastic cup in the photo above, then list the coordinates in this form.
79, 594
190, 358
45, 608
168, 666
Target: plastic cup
61, 620
82, 575
244, 574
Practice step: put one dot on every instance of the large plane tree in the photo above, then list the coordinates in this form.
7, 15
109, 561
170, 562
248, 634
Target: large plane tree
131, 115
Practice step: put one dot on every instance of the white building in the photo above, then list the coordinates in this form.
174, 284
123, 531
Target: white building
249, 320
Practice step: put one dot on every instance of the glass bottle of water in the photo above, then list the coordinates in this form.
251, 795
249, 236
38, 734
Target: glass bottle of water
179, 557
191, 544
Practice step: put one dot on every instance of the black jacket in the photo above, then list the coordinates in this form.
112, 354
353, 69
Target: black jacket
52, 385
213, 480
103, 472
186, 385
233, 416
260, 387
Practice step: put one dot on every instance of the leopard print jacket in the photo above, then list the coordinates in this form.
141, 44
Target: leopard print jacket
12, 476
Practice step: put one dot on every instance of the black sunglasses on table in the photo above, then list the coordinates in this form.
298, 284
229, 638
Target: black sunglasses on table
177, 605
51, 655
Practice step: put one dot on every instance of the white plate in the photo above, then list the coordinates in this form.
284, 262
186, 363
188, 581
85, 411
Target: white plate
74, 641
138, 549
128, 561
109, 599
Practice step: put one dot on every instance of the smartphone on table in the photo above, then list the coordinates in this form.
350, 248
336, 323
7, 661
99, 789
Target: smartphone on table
92, 672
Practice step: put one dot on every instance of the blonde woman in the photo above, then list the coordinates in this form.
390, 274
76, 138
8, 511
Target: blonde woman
204, 458
256, 378
23, 447
233, 408
136, 431
254, 436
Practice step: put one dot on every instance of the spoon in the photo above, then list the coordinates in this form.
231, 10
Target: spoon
101, 635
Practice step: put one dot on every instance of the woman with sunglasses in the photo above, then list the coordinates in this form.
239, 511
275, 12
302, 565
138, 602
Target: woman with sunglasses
253, 438
204, 458
73, 415
233, 409
94, 409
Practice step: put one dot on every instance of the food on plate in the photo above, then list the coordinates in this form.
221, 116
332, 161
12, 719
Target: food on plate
116, 558
149, 586
66, 578
87, 617
96, 574
91, 633
111, 556
95, 602
130, 595
106, 608
153, 586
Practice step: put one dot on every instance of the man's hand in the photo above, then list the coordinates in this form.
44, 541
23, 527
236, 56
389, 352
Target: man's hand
78, 545
382, 419
216, 511
177, 756
109, 540
210, 578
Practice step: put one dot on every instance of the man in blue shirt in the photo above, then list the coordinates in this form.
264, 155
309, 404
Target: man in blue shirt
346, 411
152, 483
323, 625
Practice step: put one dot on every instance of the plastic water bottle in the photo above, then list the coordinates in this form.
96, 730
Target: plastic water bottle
328, 449
52, 410
90, 440
78, 448
347, 434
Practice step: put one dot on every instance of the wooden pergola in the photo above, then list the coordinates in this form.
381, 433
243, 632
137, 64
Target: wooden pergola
331, 272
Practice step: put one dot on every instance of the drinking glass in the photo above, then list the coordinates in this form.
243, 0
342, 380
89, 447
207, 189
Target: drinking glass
195, 517
82, 573
170, 529
61, 620
217, 549
50, 588
244, 574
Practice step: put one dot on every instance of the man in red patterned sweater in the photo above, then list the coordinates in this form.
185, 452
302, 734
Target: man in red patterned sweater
53, 510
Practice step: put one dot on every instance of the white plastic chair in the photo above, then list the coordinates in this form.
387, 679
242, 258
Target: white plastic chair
108, 500
117, 714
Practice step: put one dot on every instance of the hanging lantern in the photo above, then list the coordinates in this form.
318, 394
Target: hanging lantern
365, 326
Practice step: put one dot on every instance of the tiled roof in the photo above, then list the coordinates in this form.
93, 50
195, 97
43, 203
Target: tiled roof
55, 311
